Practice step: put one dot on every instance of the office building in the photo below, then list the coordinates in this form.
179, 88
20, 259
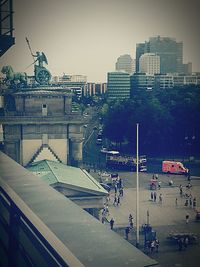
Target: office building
149, 63
118, 85
141, 81
125, 63
170, 52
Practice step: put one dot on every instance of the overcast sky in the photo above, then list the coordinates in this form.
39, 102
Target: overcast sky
87, 36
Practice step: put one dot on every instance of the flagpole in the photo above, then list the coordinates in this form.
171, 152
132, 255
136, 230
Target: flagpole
137, 188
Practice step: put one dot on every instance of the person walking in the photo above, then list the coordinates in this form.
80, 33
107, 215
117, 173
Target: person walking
181, 190
154, 196
159, 185
152, 246
176, 201
121, 192
130, 218
127, 230
115, 200
112, 223
151, 196
187, 218
157, 244
118, 200
160, 198
115, 188
194, 202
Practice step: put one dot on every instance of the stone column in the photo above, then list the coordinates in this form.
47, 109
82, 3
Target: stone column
76, 153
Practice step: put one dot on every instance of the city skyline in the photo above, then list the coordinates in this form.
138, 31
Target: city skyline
86, 37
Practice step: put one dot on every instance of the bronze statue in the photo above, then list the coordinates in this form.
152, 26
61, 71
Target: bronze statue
42, 75
18, 79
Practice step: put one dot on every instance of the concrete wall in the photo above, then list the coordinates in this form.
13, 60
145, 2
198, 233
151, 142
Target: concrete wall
29, 148
60, 147
56, 105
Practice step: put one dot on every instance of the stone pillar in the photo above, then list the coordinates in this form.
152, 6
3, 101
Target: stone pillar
76, 153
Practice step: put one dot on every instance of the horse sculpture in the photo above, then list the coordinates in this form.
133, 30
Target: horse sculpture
18, 79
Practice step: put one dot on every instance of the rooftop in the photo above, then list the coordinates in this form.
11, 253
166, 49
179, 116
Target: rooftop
55, 172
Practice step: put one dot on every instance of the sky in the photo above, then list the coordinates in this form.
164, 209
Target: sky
86, 37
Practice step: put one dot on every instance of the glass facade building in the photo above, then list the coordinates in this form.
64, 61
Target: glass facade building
118, 85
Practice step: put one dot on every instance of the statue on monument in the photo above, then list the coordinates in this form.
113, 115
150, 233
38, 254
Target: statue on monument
14, 79
40, 58
42, 75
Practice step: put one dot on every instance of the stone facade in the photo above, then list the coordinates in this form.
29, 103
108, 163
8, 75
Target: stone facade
42, 118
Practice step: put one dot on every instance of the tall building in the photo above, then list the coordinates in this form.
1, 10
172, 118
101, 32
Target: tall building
118, 85
125, 63
170, 52
149, 63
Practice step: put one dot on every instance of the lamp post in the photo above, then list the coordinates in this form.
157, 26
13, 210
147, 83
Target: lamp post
137, 188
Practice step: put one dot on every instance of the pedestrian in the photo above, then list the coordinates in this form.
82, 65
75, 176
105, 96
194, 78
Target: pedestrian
112, 223
118, 200
159, 185
115, 188
127, 230
176, 201
121, 192
157, 244
190, 201
160, 198
130, 218
115, 200
120, 183
187, 218
152, 246
154, 196
181, 190
151, 196
194, 202
186, 202
107, 210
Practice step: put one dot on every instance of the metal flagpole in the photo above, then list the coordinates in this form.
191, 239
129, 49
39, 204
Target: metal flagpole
137, 189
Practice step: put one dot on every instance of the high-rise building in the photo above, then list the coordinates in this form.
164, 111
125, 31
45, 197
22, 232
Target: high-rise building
170, 52
125, 63
118, 85
149, 63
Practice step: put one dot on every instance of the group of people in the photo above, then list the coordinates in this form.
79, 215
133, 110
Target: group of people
189, 199
154, 197
153, 245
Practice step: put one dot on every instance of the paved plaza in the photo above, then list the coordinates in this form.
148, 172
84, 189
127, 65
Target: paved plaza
165, 217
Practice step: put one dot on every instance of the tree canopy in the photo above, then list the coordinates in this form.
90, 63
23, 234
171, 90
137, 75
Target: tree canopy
169, 120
